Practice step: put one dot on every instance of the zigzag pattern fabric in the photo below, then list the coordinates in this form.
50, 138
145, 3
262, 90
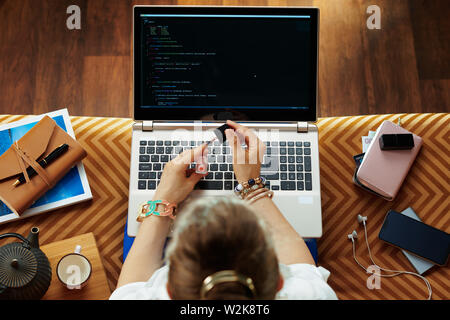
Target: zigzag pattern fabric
426, 189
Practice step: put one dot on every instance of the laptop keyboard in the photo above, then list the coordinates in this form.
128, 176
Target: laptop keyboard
286, 165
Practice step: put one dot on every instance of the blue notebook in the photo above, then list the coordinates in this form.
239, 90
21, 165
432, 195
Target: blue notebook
72, 188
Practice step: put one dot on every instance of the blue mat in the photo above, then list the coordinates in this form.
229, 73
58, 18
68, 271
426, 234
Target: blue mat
128, 242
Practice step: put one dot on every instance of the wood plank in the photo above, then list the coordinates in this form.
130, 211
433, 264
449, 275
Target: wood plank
431, 31
97, 287
18, 46
59, 59
107, 86
435, 95
391, 59
342, 77
108, 28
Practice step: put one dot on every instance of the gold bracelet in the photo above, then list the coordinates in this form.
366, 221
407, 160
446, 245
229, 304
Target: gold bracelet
268, 193
254, 193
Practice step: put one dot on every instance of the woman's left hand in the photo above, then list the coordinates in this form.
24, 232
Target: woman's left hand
176, 180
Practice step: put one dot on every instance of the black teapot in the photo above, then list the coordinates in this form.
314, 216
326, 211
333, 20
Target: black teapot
25, 271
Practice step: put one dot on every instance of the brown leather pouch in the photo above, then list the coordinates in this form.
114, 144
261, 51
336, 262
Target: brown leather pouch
36, 144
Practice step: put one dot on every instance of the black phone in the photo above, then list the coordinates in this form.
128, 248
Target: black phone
416, 237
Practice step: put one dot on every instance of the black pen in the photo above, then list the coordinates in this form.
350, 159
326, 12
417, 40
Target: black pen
43, 163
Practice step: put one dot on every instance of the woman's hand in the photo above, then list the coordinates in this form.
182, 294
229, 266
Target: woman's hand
176, 180
246, 162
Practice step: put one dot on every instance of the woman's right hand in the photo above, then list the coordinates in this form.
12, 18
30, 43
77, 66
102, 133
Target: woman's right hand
246, 162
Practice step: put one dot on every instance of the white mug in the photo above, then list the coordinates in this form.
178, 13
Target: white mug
74, 270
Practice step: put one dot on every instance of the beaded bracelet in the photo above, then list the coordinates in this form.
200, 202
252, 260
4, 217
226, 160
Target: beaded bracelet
243, 188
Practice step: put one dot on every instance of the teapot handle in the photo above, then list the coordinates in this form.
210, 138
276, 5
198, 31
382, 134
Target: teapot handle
7, 235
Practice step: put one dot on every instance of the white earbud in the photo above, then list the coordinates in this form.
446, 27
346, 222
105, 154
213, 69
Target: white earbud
353, 236
361, 219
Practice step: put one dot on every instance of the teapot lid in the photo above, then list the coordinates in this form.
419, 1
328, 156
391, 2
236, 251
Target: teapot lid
18, 265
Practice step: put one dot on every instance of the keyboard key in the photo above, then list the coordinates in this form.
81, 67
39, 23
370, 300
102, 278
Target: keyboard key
299, 151
283, 176
228, 185
298, 144
157, 166
275, 188
152, 175
291, 167
291, 176
143, 175
213, 167
290, 143
176, 143
274, 143
308, 176
159, 143
228, 175
144, 158
145, 166
218, 175
159, 174
167, 143
142, 150
151, 185
299, 175
178, 150
143, 143
150, 150
288, 185
299, 167
300, 185
299, 159
159, 150
164, 158
282, 143
184, 143
169, 150
142, 184
209, 185
274, 176
223, 167
209, 176
155, 158
307, 163
151, 143
283, 151
283, 167
283, 159
307, 144
291, 151
291, 159
307, 151
308, 185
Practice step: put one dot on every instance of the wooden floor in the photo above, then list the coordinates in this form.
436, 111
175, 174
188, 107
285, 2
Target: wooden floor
404, 67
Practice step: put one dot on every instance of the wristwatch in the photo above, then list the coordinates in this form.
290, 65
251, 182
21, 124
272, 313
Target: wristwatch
150, 208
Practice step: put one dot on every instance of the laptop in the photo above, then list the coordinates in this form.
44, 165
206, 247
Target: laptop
195, 67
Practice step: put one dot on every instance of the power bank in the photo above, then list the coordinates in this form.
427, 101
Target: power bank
398, 141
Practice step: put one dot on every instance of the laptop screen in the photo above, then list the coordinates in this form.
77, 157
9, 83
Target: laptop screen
254, 65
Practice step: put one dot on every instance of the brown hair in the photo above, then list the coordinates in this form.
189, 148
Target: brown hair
212, 235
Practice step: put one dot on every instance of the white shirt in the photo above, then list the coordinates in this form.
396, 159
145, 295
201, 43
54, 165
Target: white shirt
301, 282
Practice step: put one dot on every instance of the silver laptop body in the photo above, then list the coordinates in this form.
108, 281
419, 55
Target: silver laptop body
291, 162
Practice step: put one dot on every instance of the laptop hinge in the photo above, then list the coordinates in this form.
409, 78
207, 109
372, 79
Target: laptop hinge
302, 126
147, 125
